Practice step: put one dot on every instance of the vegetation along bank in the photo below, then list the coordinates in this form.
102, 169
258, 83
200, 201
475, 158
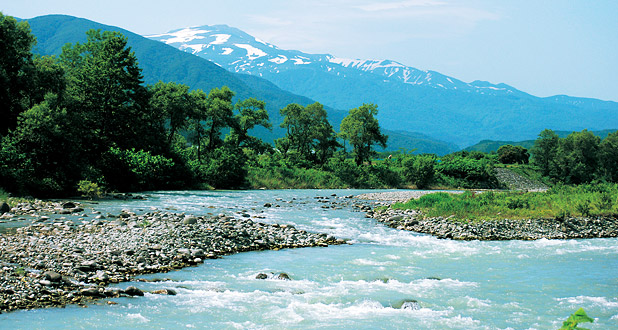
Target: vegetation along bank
586, 211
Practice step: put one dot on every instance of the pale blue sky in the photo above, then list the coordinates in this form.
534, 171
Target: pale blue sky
543, 47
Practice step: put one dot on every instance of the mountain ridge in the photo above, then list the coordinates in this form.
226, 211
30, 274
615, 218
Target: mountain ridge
409, 99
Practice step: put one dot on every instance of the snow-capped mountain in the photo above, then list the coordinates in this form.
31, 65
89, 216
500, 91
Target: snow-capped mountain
240, 52
409, 99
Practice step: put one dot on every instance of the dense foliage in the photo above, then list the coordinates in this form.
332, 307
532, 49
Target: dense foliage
581, 157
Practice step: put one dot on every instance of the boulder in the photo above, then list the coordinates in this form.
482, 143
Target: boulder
407, 304
168, 292
52, 276
283, 276
4, 208
68, 205
133, 291
261, 276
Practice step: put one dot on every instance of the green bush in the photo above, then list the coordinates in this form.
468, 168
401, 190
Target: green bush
136, 170
225, 168
419, 170
89, 189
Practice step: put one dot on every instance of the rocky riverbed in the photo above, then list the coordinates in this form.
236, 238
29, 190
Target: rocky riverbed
506, 229
54, 262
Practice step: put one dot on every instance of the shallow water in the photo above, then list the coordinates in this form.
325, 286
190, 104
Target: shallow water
458, 285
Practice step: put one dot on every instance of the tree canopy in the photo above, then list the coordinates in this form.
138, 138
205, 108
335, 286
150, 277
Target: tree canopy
362, 130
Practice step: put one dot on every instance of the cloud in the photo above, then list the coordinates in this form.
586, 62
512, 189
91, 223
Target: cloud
381, 6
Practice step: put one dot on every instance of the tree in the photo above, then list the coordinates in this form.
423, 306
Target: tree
509, 154
361, 128
324, 139
105, 90
251, 113
173, 101
218, 114
308, 133
544, 152
578, 157
16, 70
419, 170
41, 153
608, 157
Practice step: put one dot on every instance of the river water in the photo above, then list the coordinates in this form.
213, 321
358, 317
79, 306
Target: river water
455, 285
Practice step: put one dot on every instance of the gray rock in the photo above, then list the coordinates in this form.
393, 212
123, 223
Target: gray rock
168, 292
261, 276
189, 220
283, 276
52, 276
4, 207
133, 291
93, 292
68, 205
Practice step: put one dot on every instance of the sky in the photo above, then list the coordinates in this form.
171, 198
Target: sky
545, 48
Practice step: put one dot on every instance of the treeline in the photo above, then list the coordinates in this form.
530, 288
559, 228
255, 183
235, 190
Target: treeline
581, 157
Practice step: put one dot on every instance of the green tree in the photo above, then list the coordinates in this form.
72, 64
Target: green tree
419, 170
40, 155
544, 152
16, 70
218, 115
578, 157
251, 113
608, 157
361, 128
324, 139
510, 154
308, 133
174, 102
105, 90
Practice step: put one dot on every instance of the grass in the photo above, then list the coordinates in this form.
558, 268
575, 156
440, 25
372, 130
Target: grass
558, 202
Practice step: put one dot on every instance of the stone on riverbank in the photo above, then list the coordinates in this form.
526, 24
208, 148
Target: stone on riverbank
505, 229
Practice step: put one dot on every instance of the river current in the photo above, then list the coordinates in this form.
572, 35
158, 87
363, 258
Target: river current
447, 284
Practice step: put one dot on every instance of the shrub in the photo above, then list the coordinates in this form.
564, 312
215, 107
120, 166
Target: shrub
89, 189
136, 170
419, 170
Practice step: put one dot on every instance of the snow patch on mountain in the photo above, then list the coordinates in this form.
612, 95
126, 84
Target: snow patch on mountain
220, 39
252, 52
180, 36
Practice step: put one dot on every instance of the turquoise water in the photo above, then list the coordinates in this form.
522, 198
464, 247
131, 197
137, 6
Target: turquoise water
458, 285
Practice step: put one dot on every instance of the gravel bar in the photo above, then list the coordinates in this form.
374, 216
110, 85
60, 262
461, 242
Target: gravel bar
55, 262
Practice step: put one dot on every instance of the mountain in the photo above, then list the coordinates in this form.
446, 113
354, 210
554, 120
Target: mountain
166, 63
409, 99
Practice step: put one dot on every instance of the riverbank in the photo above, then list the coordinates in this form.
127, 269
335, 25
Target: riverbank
55, 262
504, 229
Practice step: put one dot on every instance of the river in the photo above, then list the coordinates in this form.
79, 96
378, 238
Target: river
448, 284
